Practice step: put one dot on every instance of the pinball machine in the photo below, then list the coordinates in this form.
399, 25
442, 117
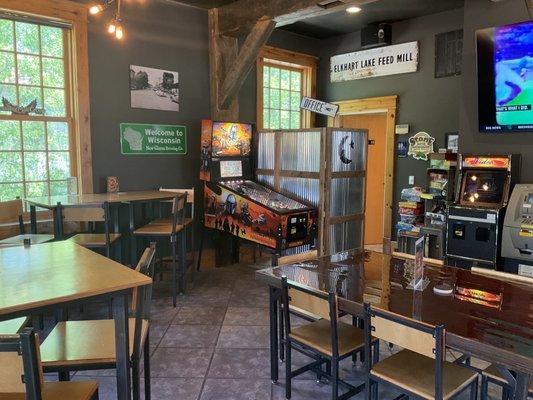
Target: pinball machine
475, 219
237, 205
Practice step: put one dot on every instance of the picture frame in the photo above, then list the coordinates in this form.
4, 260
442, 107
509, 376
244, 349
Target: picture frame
452, 142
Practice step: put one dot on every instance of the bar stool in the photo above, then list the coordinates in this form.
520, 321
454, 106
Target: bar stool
22, 375
11, 211
419, 370
492, 374
171, 228
327, 340
91, 215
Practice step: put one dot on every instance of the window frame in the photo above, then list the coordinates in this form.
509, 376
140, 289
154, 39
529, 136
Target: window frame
305, 63
76, 77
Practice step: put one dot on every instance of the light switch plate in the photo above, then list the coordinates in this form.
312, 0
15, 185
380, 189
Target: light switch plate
411, 179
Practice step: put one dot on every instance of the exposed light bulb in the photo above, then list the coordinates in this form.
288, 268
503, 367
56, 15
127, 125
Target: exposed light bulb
353, 10
96, 9
472, 199
112, 27
119, 33
474, 178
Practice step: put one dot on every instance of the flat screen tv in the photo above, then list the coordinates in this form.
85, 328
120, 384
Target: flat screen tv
505, 78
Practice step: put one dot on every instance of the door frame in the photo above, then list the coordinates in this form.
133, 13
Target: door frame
377, 105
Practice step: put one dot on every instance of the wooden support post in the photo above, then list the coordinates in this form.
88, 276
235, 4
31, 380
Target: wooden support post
222, 51
245, 60
229, 66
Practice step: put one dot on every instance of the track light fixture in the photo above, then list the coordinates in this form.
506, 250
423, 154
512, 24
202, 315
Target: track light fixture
115, 26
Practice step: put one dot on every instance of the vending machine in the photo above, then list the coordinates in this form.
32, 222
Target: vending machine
236, 204
517, 246
475, 220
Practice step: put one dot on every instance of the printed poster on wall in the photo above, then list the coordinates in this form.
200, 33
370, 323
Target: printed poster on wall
388, 60
153, 139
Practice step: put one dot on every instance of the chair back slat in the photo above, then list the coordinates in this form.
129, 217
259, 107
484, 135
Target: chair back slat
144, 266
84, 214
178, 210
142, 297
405, 336
307, 304
20, 364
189, 192
11, 373
10, 210
297, 258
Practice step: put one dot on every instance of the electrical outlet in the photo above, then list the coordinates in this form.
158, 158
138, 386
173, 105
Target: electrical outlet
411, 179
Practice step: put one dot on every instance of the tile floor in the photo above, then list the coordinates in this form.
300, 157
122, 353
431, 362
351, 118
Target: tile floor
214, 345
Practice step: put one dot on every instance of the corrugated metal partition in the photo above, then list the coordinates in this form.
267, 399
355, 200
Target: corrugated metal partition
325, 167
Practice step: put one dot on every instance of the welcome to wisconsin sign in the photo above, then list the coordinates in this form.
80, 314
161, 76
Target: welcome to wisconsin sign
389, 60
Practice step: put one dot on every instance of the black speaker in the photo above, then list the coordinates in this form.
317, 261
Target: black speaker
375, 35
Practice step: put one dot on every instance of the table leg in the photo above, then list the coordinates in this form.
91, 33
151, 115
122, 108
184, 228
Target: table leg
522, 385
274, 368
33, 220
58, 223
120, 315
133, 239
183, 261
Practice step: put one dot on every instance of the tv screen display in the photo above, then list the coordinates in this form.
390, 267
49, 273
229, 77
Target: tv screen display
231, 139
505, 78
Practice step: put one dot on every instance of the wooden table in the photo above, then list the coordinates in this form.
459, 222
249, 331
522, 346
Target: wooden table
484, 317
53, 203
51, 276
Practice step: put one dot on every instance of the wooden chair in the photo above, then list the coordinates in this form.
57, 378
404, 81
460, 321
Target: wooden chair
292, 259
327, 340
92, 215
12, 212
493, 375
189, 216
419, 370
89, 345
171, 228
21, 375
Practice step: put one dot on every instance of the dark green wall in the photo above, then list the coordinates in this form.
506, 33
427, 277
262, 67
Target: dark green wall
481, 14
161, 35
425, 103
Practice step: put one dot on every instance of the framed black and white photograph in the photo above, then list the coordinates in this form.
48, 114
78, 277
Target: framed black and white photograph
155, 89
452, 142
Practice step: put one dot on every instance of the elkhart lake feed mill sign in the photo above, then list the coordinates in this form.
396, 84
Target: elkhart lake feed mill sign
388, 60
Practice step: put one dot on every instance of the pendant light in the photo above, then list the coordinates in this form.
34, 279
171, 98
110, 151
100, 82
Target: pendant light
115, 26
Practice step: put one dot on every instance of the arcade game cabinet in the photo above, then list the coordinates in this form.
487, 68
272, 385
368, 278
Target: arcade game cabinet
235, 204
517, 245
475, 220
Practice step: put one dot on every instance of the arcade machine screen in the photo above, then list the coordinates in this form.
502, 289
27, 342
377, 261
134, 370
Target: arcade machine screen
231, 139
483, 188
231, 169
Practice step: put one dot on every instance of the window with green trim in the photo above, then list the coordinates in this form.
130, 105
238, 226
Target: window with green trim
35, 147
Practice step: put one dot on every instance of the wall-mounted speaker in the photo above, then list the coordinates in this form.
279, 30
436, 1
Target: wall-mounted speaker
375, 35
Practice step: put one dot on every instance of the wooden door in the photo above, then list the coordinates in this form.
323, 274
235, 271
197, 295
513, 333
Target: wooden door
375, 171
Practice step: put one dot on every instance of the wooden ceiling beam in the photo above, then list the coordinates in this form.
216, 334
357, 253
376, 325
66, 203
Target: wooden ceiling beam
237, 18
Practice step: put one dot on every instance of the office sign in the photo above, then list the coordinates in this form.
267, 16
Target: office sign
153, 139
319, 107
381, 61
